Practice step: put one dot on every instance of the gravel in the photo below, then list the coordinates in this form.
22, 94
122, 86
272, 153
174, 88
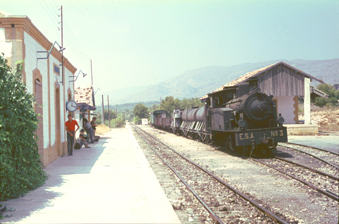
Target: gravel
307, 160
278, 192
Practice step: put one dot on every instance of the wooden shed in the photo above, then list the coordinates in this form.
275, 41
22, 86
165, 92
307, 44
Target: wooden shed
286, 83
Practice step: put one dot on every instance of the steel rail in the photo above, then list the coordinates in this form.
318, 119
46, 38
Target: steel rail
324, 150
302, 181
332, 192
306, 167
335, 166
213, 215
264, 210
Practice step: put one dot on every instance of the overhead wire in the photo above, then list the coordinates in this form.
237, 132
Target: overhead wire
76, 47
68, 38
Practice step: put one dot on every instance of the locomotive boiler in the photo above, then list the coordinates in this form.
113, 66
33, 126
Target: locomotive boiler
240, 117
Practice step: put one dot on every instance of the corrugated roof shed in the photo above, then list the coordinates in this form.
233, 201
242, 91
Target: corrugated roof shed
84, 95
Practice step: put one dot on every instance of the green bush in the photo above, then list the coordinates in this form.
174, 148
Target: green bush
20, 167
333, 96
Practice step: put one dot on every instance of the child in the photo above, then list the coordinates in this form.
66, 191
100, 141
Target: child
83, 139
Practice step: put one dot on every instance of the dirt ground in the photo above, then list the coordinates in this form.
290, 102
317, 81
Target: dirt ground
327, 119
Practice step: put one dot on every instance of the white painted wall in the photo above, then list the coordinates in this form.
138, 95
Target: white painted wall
30, 64
285, 106
31, 47
307, 101
5, 46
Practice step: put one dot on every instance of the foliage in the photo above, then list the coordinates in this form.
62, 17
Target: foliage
140, 110
333, 96
188, 103
112, 115
118, 122
101, 129
20, 167
137, 120
169, 104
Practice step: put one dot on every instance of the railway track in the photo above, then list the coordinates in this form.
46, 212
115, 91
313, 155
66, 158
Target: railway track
318, 160
208, 191
329, 157
321, 182
319, 149
320, 174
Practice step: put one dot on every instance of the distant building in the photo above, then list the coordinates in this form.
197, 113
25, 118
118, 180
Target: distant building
144, 121
21, 40
336, 86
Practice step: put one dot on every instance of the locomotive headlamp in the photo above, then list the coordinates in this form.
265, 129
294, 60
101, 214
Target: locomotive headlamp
241, 123
280, 120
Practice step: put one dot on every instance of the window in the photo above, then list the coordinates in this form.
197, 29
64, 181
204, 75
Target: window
56, 69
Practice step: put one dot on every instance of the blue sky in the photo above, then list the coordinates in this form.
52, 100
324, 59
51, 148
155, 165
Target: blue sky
134, 43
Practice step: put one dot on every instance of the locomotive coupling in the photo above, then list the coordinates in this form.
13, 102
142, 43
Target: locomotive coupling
270, 142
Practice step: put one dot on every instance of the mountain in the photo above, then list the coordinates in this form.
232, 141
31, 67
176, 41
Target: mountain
199, 82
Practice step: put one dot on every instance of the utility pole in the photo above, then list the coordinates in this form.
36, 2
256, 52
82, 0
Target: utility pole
109, 119
62, 47
103, 114
91, 72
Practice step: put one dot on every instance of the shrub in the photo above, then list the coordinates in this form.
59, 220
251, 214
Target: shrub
20, 167
102, 129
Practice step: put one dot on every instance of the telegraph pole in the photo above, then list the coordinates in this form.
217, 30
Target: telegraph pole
103, 114
91, 72
109, 119
62, 47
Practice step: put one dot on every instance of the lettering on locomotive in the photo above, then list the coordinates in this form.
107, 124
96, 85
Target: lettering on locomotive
244, 136
276, 133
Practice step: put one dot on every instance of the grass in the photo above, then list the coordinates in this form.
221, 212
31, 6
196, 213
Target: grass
102, 129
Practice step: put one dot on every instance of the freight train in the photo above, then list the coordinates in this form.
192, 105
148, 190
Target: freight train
240, 117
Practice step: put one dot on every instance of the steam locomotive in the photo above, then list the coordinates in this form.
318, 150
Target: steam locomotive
240, 117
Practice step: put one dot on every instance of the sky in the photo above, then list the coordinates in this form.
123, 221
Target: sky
137, 43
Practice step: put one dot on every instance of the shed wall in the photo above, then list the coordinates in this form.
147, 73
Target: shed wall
281, 81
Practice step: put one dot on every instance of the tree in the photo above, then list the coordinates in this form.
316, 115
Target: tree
112, 115
20, 167
193, 102
140, 110
169, 104
333, 96
136, 120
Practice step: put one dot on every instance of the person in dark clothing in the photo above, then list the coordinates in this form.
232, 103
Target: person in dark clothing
70, 128
83, 139
94, 125
89, 130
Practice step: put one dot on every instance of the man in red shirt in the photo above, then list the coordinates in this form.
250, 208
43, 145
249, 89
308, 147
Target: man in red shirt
70, 128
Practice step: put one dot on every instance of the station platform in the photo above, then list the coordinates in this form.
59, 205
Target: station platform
330, 143
112, 182
301, 129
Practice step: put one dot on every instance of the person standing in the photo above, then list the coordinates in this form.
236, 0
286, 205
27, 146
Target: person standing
70, 128
94, 125
89, 130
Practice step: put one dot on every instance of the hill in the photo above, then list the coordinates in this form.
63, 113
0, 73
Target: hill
199, 82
